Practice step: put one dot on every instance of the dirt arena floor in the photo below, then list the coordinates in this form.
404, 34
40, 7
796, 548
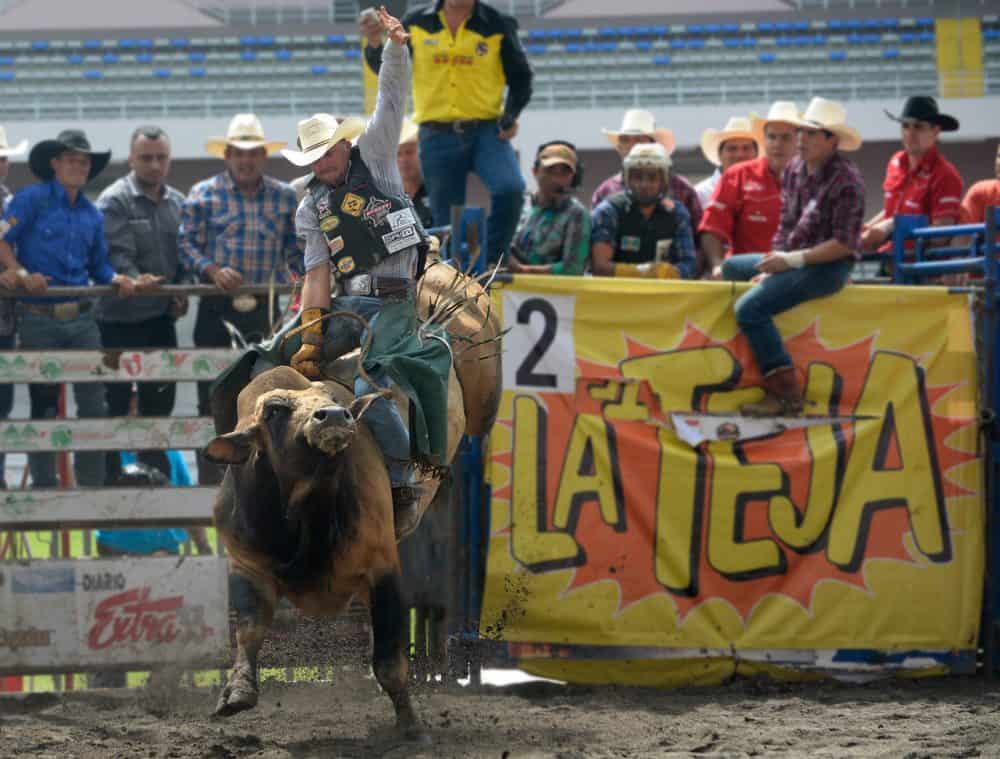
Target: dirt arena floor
350, 718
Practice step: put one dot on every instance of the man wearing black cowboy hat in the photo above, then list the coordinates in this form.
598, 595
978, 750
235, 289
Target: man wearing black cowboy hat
58, 236
918, 180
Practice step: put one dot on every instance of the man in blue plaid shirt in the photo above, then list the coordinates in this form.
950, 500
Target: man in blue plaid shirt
237, 228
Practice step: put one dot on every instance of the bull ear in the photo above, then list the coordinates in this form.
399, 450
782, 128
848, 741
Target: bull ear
360, 404
233, 448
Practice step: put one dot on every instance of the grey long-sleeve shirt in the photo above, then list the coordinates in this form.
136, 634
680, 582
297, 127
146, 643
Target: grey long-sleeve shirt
378, 146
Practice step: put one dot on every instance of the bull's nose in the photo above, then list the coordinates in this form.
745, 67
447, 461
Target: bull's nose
333, 415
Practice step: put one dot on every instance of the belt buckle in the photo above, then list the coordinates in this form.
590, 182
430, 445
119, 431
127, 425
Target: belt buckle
65, 311
359, 284
457, 127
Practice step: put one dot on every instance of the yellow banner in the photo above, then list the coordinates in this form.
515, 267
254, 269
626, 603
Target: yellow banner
612, 538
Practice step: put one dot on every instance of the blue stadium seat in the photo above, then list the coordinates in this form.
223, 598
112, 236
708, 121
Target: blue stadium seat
907, 37
249, 55
126, 44
872, 38
926, 36
6, 60
336, 39
93, 74
197, 73
6, 76
110, 58
732, 42
196, 56
93, 44
713, 28
162, 73
604, 31
266, 40
694, 28
731, 28
660, 30
574, 47
40, 45
925, 21
991, 34
838, 55
749, 42
801, 26
248, 39
873, 23
571, 34
852, 24
180, 42
890, 53
352, 53
283, 55
677, 44
537, 48
890, 23
537, 34
855, 39
765, 26
319, 69
784, 26
783, 41
835, 24
767, 57
74, 59
143, 57
819, 39
644, 45
661, 60
608, 47
144, 43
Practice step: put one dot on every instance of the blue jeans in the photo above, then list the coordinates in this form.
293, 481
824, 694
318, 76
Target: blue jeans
382, 417
41, 332
756, 308
446, 158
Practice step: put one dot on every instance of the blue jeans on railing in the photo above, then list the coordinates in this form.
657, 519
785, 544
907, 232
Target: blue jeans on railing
41, 332
756, 308
446, 159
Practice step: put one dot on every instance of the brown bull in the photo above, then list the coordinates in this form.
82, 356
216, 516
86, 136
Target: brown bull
305, 509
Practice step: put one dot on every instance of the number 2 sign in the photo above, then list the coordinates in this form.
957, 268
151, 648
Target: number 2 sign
539, 353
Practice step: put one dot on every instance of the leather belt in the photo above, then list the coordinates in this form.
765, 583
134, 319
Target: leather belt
458, 127
379, 287
63, 312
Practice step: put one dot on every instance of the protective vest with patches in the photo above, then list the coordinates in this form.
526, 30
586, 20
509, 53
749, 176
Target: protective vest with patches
363, 225
639, 237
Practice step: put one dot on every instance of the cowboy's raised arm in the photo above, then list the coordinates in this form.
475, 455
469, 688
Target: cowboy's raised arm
381, 137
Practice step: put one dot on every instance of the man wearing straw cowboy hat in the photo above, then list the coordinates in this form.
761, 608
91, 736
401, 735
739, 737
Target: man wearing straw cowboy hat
59, 238
358, 225
237, 227
918, 179
736, 142
823, 203
7, 319
745, 207
639, 126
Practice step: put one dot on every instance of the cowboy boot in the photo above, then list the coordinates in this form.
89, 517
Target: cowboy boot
783, 395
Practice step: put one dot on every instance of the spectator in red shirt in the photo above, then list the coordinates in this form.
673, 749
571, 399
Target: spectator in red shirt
980, 195
822, 209
745, 207
918, 180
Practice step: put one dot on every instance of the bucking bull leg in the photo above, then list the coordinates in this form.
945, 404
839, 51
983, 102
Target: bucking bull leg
390, 630
254, 613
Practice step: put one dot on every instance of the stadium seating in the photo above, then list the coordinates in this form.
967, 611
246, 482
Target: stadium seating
211, 75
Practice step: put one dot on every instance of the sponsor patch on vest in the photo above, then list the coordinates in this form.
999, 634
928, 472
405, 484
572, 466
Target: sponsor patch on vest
352, 204
335, 245
401, 218
377, 210
663, 248
323, 204
329, 223
631, 244
399, 239
345, 265
482, 49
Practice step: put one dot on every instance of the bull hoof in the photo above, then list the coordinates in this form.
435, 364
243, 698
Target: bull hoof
239, 695
413, 733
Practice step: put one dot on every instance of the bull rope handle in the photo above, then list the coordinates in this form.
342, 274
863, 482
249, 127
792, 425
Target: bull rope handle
366, 345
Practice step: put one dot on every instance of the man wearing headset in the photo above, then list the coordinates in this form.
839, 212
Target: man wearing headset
553, 236
641, 232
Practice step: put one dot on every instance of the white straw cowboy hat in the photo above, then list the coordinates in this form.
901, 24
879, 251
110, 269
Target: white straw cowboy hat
318, 134
637, 122
409, 132
6, 151
781, 112
831, 117
737, 128
246, 133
